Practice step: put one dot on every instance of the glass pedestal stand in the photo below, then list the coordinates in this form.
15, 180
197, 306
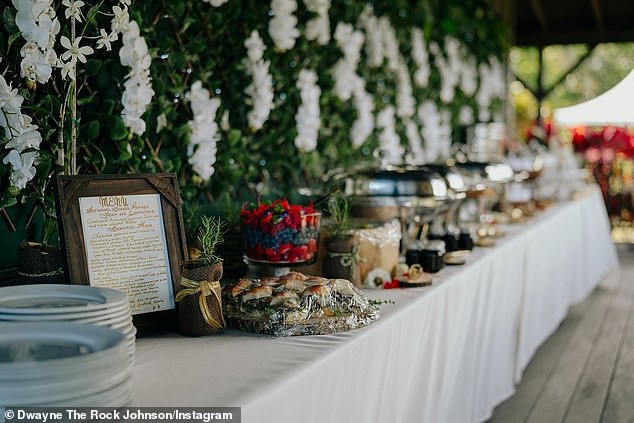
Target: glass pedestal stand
257, 269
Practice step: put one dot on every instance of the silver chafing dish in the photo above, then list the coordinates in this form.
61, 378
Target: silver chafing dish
486, 181
446, 221
414, 196
527, 169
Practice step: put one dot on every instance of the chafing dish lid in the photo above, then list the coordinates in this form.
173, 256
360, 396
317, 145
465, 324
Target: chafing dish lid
400, 183
494, 172
453, 178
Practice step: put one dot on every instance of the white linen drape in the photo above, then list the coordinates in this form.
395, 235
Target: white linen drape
448, 353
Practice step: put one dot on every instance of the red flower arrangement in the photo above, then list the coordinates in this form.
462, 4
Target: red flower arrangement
280, 232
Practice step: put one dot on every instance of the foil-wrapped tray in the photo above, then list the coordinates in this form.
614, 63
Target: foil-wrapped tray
296, 304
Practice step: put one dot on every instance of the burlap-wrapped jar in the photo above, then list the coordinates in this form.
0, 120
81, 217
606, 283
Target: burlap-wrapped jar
200, 299
39, 264
342, 259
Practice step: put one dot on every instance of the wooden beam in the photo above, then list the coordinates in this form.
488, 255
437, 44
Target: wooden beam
538, 10
543, 38
504, 9
598, 15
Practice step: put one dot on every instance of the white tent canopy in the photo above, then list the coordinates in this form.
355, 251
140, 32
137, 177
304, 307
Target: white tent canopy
613, 107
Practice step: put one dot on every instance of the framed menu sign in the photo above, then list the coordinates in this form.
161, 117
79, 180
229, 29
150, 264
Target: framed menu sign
125, 232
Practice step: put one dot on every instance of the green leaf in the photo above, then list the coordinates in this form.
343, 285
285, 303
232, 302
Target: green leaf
87, 100
178, 60
126, 150
118, 131
108, 107
100, 162
46, 104
233, 137
8, 202
92, 129
12, 38
93, 66
178, 10
8, 18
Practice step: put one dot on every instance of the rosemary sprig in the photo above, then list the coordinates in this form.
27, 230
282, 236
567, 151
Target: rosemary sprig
210, 235
339, 210
381, 301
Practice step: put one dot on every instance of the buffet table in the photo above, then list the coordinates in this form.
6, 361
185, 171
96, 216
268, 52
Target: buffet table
446, 353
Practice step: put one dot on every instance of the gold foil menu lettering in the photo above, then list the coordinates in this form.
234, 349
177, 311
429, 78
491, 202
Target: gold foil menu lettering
126, 248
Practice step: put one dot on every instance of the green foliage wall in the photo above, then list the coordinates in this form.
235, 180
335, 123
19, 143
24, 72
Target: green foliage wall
194, 41
190, 40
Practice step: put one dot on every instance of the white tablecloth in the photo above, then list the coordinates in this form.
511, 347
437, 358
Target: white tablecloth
447, 353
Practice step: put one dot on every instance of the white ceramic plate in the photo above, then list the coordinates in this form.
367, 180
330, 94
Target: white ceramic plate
117, 396
86, 317
58, 299
33, 392
44, 349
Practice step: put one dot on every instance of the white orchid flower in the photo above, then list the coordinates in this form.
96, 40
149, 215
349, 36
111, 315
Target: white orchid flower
121, 19
134, 122
23, 170
29, 49
255, 46
216, 3
28, 68
68, 69
27, 137
73, 9
74, 51
106, 39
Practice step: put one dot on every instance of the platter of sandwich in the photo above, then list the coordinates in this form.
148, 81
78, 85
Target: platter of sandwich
296, 304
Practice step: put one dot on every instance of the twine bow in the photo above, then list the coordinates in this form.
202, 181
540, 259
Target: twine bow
415, 271
206, 288
349, 259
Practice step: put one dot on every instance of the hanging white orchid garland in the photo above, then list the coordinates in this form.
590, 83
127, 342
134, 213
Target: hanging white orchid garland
318, 28
204, 135
389, 142
260, 91
382, 44
39, 26
416, 154
374, 46
348, 84
307, 117
421, 58
283, 25
436, 131
138, 91
23, 138
492, 86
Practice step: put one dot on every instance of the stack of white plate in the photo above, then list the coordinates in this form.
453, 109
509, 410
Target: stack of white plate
69, 303
63, 364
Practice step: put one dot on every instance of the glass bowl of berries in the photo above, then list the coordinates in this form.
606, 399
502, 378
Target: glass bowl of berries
280, 233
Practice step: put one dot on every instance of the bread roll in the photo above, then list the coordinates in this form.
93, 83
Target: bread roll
257, 293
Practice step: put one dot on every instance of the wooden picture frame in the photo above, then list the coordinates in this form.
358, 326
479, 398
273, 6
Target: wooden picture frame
125, 232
